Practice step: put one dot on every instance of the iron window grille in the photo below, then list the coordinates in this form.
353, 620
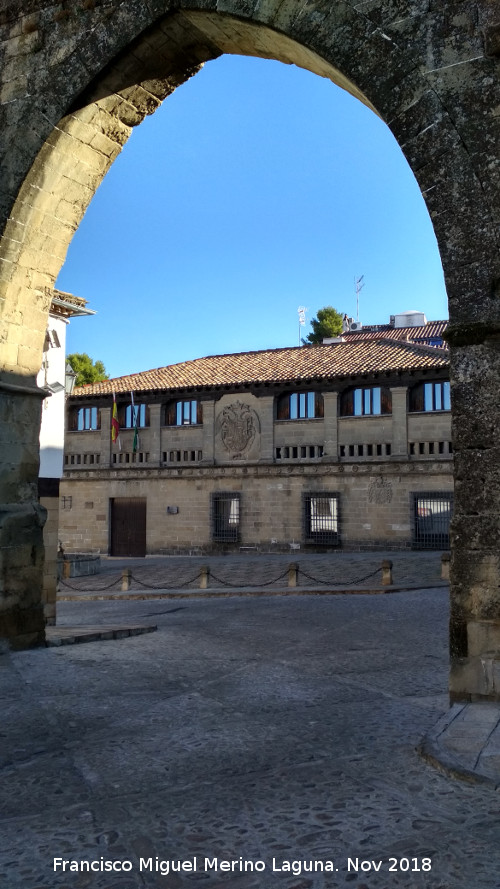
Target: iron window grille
431, 513
225, 517
321, 518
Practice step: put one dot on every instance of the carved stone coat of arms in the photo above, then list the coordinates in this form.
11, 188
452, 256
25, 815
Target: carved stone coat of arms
237, 426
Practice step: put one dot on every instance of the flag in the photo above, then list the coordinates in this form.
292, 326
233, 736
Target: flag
115, 426
134, 424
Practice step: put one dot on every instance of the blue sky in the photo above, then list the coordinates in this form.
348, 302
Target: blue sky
255, 189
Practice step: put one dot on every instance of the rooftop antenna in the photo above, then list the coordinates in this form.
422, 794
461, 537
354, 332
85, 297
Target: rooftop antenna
302, 318
358, 286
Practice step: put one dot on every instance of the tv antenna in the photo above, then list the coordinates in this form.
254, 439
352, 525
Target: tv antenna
358, 286
302, 318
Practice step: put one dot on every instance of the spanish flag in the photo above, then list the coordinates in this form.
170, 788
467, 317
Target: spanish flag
115, 426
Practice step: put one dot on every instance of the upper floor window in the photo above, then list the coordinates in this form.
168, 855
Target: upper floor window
430, 397
183, 413
368, 401
300, 406
84, 418
129, 417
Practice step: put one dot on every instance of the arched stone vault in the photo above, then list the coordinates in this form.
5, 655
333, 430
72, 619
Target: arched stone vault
76, 77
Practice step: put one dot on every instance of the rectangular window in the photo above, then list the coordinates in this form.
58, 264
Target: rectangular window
321, 518
225, 517
86, 419
141, 416
430, 397
431, 514
300, 406
186, 413
368, 401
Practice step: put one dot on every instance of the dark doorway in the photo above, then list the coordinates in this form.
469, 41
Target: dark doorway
128, 526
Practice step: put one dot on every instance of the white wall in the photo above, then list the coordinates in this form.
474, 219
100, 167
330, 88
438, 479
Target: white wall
52, 427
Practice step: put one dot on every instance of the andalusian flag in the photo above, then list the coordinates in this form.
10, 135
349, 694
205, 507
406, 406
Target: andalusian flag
115, 426
134, 424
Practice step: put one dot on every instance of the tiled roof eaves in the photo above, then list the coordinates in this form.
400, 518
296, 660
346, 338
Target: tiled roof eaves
304, 365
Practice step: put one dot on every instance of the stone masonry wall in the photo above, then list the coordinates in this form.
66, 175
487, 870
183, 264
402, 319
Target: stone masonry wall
74, 79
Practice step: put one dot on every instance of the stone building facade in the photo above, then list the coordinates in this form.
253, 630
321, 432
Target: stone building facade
347, 444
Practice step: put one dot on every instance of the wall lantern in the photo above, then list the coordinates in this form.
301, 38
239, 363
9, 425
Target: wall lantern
69, 379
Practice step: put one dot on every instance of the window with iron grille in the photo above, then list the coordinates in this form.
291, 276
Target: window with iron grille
225, 517
321, 518
369, 401
431, 513
300, 406
430, 397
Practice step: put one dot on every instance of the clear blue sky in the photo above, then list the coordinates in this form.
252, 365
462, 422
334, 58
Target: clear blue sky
255, 189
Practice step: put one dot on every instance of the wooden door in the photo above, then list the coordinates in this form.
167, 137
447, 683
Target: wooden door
128, 526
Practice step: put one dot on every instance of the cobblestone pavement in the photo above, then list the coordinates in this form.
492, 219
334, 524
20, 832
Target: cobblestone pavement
277, 728
336, 569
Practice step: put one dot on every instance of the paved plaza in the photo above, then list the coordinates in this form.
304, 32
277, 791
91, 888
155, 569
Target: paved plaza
249, 742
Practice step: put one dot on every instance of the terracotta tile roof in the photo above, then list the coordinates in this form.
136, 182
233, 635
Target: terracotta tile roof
431, 331
303, 364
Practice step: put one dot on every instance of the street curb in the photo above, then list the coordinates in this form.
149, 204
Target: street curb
55, 637
241, 593
432, 750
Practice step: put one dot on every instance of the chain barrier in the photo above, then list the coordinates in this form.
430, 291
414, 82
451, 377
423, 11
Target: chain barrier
177, 586
240, 586
225, 583
337, 582
90, 589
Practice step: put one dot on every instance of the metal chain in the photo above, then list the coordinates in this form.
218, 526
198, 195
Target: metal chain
90, 589
240, 586
225, 583
339, 583
150, 586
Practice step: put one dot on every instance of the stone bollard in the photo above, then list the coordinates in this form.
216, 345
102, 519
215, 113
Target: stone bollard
204, 577
66, 572
386, 572
445, 566
293, 574
126, 572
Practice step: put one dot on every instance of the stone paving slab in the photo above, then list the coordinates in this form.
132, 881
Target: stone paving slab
280, 728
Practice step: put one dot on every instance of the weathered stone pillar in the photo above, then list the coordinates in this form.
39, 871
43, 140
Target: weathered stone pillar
331, 425
21, 516
475, 531
155, 434
266, 411
208, 431
399, 446
106, 443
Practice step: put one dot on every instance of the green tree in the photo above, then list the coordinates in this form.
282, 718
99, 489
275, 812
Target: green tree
87, 371
327, 323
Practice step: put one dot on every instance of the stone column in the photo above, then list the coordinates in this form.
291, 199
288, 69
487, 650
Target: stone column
208, 431
155, 434
399, 446
106, 444
266, 412
21, 516
475, 531
331, 425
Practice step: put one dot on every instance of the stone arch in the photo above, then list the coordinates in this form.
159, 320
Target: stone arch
75, 82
